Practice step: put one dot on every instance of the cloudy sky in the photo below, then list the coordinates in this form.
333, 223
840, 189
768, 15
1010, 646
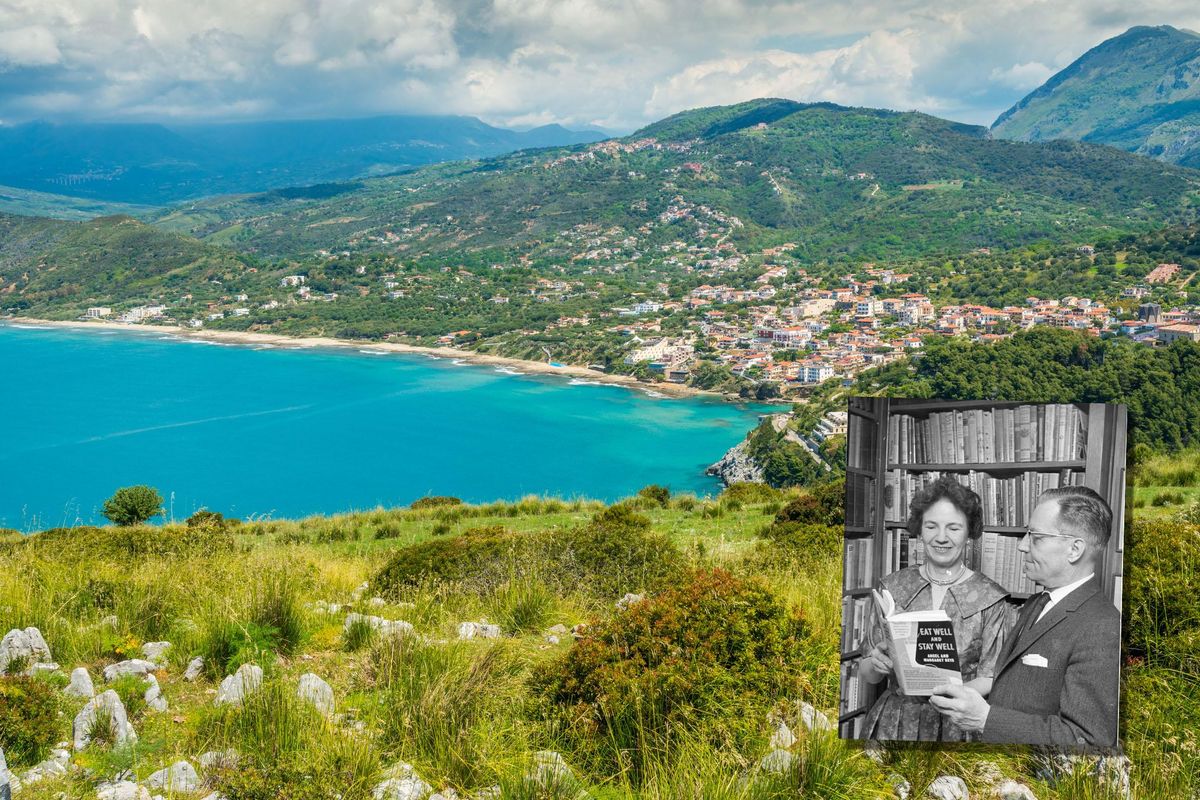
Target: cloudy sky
613, 63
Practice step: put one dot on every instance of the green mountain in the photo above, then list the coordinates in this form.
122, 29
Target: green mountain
47, 263
1139, 91
839, 182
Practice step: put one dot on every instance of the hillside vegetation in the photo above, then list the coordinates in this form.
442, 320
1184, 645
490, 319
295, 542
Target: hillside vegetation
1139, 91
671, 696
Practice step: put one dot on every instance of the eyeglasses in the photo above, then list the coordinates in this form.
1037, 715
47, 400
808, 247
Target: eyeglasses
1037, 536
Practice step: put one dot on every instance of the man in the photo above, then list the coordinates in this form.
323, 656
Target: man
1056, 680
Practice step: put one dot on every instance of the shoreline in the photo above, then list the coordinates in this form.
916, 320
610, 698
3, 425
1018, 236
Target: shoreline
520, 366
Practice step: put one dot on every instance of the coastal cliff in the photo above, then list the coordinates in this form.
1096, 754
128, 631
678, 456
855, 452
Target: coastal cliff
737, 466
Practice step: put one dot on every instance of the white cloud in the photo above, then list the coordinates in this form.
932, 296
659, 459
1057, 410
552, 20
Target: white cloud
622, 63
1029, 75
32, 46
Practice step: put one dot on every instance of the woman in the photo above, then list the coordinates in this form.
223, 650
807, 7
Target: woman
946, 515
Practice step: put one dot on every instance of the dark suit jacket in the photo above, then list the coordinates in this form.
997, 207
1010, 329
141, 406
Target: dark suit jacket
1072, 701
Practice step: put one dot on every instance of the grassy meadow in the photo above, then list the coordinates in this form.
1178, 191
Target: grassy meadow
673, 697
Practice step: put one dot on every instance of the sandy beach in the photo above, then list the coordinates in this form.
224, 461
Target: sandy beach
467, 356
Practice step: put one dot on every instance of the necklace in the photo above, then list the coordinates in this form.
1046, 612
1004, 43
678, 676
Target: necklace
931, 579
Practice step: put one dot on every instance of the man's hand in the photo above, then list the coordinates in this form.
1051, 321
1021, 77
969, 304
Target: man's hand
964, 706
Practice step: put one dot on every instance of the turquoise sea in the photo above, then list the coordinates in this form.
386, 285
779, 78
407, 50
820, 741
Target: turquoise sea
252, 431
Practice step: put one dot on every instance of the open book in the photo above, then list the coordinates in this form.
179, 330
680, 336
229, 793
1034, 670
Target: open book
924, 653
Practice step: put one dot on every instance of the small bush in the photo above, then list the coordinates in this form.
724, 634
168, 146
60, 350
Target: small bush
228, 645
441, 529
277, 608
1163, 608
360, 634
704, 658
1167, 499
477, 553
133, 505
29, 720
751, 493
434, 502
388, 530
120, 545
823, 504
132, 691
815, 543
685, 502
206, 520
523, 604
660, 495
613, 555
620, 516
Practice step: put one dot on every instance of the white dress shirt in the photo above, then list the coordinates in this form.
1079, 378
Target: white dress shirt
1060, 593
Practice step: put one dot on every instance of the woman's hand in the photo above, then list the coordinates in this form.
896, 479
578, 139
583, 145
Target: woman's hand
877, 664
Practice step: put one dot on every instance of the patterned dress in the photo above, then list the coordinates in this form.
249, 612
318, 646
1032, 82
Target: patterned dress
981, 618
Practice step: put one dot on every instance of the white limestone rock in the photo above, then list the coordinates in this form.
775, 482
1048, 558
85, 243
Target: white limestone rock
179, 777
401, 782
133, 666
1011, 790
26, 646
948, 787
154, 696
782, 738
121, 732
219, 759
5, 778
776, 762
236, 687
316, 691
812, 719
81, 683
122, 790
156, 652
387, 627
194, 668
478, 630
558, 630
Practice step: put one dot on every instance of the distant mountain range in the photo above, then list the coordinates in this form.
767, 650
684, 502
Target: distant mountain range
154, 164
1139, 91
838, 182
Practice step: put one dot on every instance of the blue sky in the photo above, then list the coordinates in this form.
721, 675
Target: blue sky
613, 63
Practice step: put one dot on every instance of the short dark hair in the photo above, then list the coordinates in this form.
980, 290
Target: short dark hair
961, 497
1083, 511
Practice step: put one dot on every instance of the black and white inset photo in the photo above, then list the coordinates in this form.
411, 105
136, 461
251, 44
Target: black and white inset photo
981, 589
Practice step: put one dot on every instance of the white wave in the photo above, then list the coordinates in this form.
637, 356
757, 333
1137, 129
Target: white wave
458, 362
652, 393
374, 352
508, 371
30, 327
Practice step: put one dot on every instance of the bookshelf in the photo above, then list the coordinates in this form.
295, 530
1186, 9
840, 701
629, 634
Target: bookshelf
1008, 453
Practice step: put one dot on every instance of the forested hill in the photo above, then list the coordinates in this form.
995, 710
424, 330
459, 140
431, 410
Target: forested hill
839, 182
1139, 91
44, 261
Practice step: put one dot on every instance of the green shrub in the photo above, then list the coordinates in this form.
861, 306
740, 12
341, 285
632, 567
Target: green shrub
660, 495
358, 635
751, 493
441, 529
227, 645
477, 553
614, 554
1162, 571
800, 543
823, 504
620, 516
434, 502
703, 658
133, 505
132, 691
388, 530
205, 520
120, 545
29, 720
1167, 499
277, 607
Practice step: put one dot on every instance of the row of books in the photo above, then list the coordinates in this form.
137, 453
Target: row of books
901, 550
860, 506
1001, 561
1007, 501
854, 692
856, 613
1056, 432
858, 569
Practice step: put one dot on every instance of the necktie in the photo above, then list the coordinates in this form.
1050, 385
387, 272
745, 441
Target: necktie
1036, 605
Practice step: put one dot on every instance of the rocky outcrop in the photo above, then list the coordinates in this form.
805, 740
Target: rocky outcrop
317, 692
81, 683
737, 466
24, 647
105, 706
235, 688
387, 627
179, 777
134, 666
